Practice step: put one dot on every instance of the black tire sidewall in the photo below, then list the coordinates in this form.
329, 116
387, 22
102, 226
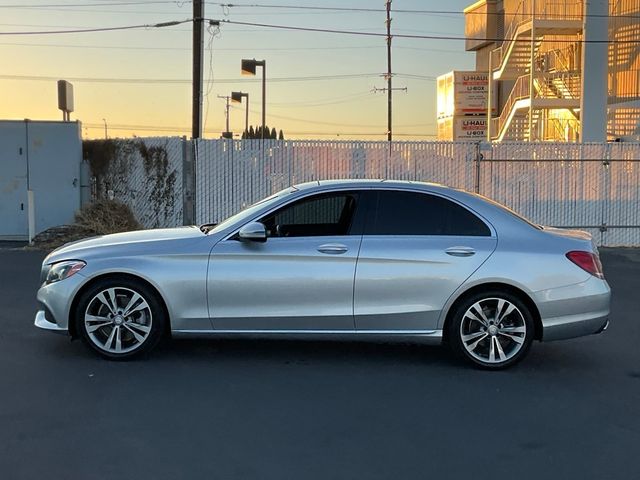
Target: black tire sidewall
455, 339
157, 311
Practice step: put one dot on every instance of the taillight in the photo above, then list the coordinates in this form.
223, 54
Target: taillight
587, 261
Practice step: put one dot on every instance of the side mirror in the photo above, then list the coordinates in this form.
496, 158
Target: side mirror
254, 231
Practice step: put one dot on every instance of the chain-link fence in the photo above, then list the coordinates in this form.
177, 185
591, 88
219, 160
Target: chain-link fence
594, 187
146, 174
233, 174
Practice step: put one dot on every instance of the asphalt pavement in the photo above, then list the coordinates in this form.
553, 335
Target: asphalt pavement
285, 409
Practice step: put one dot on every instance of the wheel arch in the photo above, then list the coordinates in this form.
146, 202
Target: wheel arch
483, 287
114, 275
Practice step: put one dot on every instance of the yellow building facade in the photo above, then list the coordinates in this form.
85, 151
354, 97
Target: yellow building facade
542, 59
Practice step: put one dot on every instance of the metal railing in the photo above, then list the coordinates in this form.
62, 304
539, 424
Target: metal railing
560, 85
527, 11
624, 7
559, 60
520, 91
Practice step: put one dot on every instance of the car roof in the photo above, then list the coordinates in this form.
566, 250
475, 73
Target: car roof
369, 183
484, 206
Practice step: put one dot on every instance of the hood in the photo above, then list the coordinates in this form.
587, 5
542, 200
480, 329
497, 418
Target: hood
79, 249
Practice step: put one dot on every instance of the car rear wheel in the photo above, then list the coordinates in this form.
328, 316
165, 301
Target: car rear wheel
493, 330
120, 318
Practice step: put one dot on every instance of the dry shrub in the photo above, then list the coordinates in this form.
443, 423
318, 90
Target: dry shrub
107, 216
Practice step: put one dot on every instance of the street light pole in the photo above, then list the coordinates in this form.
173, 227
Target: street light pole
264, 97
237, 98
105, 129
246, 116
249, 68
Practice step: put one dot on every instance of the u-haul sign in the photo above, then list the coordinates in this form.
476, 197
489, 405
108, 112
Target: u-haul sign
462, 128
463, 93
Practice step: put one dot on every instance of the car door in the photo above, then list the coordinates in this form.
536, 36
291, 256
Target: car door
417, 249
300, 278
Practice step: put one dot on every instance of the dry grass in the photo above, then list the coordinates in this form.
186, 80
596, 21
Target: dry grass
107, 216
98, 218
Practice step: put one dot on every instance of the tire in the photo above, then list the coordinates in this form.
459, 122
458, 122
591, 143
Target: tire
131, 328
475, 335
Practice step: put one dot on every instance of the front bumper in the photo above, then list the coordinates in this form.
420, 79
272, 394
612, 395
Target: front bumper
55, 303
43, 323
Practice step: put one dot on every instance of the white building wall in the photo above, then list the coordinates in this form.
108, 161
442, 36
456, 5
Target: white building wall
44, 158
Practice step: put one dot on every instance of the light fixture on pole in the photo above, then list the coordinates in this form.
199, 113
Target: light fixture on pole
249, 68
237, 98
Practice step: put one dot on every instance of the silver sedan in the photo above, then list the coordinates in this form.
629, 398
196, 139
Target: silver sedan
340, 258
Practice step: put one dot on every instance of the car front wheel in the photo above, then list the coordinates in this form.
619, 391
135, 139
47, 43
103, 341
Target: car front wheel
493, 329
120, 318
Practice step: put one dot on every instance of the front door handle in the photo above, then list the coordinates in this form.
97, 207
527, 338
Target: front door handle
333, 248
460, 251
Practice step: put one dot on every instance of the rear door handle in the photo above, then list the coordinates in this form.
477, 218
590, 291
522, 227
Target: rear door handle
460, 251
333, 248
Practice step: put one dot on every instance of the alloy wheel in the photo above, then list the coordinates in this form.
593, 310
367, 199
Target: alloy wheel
118, 320
493, 330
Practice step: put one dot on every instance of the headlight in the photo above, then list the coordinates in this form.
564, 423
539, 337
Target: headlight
61, 270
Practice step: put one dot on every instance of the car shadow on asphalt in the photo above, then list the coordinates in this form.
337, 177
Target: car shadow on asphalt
543, 358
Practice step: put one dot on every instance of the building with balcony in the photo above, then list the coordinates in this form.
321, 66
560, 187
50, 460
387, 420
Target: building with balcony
552, 62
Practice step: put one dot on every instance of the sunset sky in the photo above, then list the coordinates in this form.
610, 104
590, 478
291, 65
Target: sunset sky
98, 63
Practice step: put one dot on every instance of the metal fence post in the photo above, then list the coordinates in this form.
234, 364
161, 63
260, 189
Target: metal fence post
85, 183
188, 181
476, 166
606, 193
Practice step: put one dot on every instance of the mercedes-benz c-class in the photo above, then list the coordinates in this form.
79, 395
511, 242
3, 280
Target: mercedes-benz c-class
335, 258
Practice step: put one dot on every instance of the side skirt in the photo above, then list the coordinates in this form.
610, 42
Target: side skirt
431, 337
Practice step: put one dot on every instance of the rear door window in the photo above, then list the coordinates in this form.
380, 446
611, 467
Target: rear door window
414, 213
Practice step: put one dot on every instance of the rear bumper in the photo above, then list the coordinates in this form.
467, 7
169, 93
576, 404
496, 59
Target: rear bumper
574, 311
572, 328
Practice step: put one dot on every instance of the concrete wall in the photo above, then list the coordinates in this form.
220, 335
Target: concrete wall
39, 170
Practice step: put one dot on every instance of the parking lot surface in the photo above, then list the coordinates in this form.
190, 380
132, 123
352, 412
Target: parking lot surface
284, 409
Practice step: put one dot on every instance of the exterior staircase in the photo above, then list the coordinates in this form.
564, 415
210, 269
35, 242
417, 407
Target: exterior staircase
544, 84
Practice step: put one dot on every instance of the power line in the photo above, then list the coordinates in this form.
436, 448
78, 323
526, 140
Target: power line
265, 49
185, 81
408, 11
306, 8
324, 102
71, 5
100, 29
334, 124
177, 129
416, 37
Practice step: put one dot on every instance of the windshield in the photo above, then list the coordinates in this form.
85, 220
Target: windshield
249, 211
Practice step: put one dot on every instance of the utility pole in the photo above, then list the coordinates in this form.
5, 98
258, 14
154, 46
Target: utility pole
226, 133
198, 53
389, 75
389, 88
